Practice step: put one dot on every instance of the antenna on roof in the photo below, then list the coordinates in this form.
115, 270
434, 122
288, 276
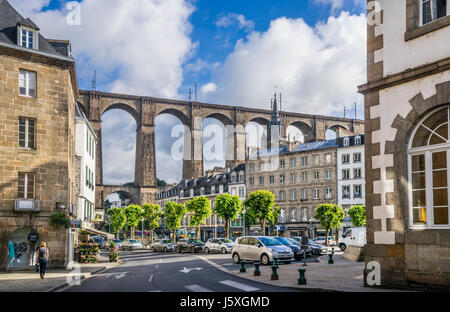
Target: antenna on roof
355, 110
94, 81
345, 111
280, 102
190, 94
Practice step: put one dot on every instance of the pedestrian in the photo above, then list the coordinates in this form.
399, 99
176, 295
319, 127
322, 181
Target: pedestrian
42, 256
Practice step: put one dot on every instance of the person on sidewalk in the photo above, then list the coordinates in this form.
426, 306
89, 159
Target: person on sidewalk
42, 255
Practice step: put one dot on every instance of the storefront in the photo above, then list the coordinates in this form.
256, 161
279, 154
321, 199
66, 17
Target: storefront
22, 246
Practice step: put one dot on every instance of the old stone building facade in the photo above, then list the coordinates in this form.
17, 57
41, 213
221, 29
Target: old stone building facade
301, 176
407, 98
38, 90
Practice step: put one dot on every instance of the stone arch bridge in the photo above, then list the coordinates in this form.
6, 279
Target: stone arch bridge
145, 110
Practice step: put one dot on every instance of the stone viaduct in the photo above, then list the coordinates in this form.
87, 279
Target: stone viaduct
145, 109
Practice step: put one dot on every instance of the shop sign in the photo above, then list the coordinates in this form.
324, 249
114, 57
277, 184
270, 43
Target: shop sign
33, 237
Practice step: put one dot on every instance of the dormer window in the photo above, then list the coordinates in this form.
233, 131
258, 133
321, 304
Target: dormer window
358, 140
346, 142
27, 37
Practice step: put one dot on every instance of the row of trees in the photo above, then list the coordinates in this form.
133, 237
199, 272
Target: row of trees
260, 208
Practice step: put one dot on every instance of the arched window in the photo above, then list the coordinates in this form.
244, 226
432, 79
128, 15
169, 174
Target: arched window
346, 142
358, 140
428, 159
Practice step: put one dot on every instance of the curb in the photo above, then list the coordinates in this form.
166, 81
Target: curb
82, 277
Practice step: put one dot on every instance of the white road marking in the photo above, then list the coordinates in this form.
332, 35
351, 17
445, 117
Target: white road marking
155, 291
150, 278
197, 288
239, 285
156, 266
186, 270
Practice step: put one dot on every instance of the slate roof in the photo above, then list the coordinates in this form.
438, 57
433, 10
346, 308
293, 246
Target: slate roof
305, 147
9, 18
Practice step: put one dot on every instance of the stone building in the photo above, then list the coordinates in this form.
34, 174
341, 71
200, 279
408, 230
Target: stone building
407, 100
301, 176
38, 89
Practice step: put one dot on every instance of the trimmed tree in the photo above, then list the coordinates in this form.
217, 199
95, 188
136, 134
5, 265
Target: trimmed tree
133, 214
152, 214
260, 205
330, 217
228, 207
173, 213
273, 219
249, 220
358, 215
201, 209
117, 219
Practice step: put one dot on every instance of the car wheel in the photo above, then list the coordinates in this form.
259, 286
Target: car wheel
265, 260
207, 250
342, 246
224, 251
236, 258
165, 249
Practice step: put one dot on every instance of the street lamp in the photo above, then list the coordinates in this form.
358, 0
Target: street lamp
243, 219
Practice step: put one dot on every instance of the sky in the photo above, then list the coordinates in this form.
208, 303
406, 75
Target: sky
237, 52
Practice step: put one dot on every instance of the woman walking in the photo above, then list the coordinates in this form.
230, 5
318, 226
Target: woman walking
42, 255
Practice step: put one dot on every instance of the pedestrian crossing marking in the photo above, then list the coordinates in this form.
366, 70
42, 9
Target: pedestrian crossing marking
197, 288
238, 285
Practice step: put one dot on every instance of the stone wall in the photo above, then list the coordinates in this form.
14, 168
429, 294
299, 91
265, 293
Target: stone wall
52, 161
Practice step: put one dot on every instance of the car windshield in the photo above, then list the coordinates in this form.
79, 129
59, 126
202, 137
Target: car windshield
132, 241
269, 241
167, 241
116, 240
194, 241
226, 241
284, 241
293, 241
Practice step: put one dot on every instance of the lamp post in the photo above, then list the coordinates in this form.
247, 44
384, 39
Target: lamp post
243, 219
142, 233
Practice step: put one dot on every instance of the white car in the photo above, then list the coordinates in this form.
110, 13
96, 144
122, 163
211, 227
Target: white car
353, 237
131, 244
222, 245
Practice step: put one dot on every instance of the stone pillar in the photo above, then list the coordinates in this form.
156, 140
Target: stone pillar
197, 146
97, 126
145, 166
319, 129
230, 156
187, 154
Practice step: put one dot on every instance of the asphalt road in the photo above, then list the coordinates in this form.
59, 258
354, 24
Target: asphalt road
145, 271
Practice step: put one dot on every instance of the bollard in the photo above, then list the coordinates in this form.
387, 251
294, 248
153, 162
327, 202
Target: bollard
330, 257
274, 276
302, 279
257, 271
242, 270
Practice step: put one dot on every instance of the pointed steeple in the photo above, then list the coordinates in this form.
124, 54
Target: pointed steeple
275, 120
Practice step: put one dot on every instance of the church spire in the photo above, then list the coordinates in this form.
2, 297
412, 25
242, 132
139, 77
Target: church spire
275, 120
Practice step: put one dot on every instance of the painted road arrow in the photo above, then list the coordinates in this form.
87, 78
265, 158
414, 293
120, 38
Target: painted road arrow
186, 270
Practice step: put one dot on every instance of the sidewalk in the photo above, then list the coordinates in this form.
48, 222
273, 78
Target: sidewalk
30, 281
342, 276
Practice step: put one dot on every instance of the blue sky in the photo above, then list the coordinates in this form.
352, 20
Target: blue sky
313, 51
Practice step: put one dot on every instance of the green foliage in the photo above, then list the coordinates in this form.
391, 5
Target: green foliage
358, 215
117, 219
249, 220
273, 219
152, 214
134, 214
201, 209
173, 213
160, 182
60, 218
330, 217
260, 205
228, 207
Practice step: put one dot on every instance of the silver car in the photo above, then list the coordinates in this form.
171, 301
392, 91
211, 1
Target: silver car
222, 245
261, 248
165, 245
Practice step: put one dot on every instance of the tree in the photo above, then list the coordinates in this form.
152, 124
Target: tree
152, 214
358, 215
330, 217
117, 219
273, 219
249, 220
228, 207
260, 204
201, 209
160, 182
173, 213
134, 215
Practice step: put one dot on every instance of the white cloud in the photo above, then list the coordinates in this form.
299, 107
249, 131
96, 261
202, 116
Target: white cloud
208, 88
336, 5
142, 44
317, 69
232, 19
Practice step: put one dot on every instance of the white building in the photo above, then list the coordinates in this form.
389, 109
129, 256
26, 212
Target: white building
350, 173
85, 143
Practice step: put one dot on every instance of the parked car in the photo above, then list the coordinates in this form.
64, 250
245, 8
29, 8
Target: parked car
222, 245
321, 240
165, 245
353, 237
131, 244
261, 248
299, 244
190, 244
118, 243
100, 240
295, 247
316, 249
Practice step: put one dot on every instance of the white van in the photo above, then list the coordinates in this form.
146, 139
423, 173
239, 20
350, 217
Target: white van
353, 237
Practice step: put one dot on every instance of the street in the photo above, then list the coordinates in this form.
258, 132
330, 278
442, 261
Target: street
145, 271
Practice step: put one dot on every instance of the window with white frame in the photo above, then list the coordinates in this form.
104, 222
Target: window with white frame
252, 167
292, 177
282, 216
27, 130
346, 159
293, 215
282, 164
357, 157
316, 193
261, 180
357, 191
26, 185
328, 193
27, 83
241, 192
27, 37
241, 177
316, 175
346, 191
431, 10
281, 178
357, 173
304, 160
346, 142
304, 176
358, 140
304, 194
261, 166
328, 174
293, 194
293, 162
251, 181
271, 179
346, 174
282, 195
233, 178
316, 159
304, 214
328, 159
429, 156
